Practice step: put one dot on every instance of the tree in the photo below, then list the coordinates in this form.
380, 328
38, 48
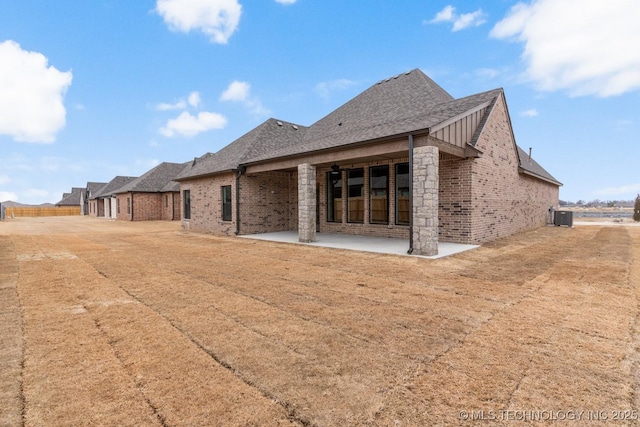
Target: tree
636, 209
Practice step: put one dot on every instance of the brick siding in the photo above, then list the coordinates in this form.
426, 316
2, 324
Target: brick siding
147, 207
503, 201
206, 205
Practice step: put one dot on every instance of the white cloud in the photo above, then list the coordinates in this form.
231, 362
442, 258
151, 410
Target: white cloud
187, 125
241, 92
192, 100
237, 91
218, 19
286, 1
586, 47
31, 105
460, 22
325, 89
180, 105
6, 196
530, 113
445, 15
616, 191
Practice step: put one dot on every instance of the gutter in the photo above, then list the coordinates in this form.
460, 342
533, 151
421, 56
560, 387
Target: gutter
410, 251
241, 169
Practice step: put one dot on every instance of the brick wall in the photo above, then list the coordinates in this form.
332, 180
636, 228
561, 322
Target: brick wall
454, 198
206, 205
170, 206
503, 201
268, 202
93, 208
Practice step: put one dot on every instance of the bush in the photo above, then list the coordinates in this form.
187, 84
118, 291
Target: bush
636, 209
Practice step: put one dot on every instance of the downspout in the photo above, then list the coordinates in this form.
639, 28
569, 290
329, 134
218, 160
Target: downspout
132, 206
241, 170
410, 251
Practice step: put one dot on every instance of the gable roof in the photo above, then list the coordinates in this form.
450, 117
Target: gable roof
403, 104
112, 186
409, 103
156, 180
93, 187
71, 199
529, 166
261, 141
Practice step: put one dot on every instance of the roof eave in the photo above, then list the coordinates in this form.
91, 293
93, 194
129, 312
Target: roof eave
205, 175
540, 177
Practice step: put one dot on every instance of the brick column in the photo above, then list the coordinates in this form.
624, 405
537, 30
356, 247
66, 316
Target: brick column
306, 203
425, 200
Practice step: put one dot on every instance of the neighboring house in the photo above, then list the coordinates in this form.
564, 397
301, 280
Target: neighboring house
152, 196
89, 191
103, 203
403, 159
71, 199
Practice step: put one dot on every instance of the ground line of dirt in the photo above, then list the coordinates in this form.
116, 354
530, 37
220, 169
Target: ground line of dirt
154, 409
291, 413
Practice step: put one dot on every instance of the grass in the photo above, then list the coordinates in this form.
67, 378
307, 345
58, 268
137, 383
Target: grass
118, 323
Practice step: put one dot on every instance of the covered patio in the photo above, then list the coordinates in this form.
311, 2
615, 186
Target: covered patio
382, 245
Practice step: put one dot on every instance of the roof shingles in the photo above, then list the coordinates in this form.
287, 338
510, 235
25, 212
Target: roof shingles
406, 103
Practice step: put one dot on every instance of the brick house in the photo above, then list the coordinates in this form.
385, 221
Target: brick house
91, 189
71, 199
403, 159
102, 202
152, 196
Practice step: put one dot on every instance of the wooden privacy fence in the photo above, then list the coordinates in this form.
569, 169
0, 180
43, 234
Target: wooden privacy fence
29, 212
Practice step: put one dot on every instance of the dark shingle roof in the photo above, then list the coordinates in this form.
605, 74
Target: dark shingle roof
112, 186
531, 167
94, 187
157, 180
259, 142
403, 104
71, 199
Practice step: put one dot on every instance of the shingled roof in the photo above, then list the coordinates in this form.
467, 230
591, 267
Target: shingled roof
531, 167
407, 103
394, 106
112, 186
71, 199
94, 187
157, 180
271, 135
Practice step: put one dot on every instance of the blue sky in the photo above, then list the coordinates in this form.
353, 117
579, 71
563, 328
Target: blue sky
91, 89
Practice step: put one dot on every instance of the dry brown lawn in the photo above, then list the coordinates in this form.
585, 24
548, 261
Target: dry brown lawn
118, 323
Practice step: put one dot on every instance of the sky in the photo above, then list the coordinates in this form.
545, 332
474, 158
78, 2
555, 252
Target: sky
91, 89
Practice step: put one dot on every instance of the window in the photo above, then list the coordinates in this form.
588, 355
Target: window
355, 195
128, 205
379, 194
166, 201
186, 197
117, 205
226, 203
334, 196
402, 194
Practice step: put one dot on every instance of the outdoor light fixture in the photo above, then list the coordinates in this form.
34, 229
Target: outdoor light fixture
335, 167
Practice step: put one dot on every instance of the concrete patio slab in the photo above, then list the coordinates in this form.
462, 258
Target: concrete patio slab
382, 245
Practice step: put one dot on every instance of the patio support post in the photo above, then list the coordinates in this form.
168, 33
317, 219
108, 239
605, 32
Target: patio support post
425, 200
306, 203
